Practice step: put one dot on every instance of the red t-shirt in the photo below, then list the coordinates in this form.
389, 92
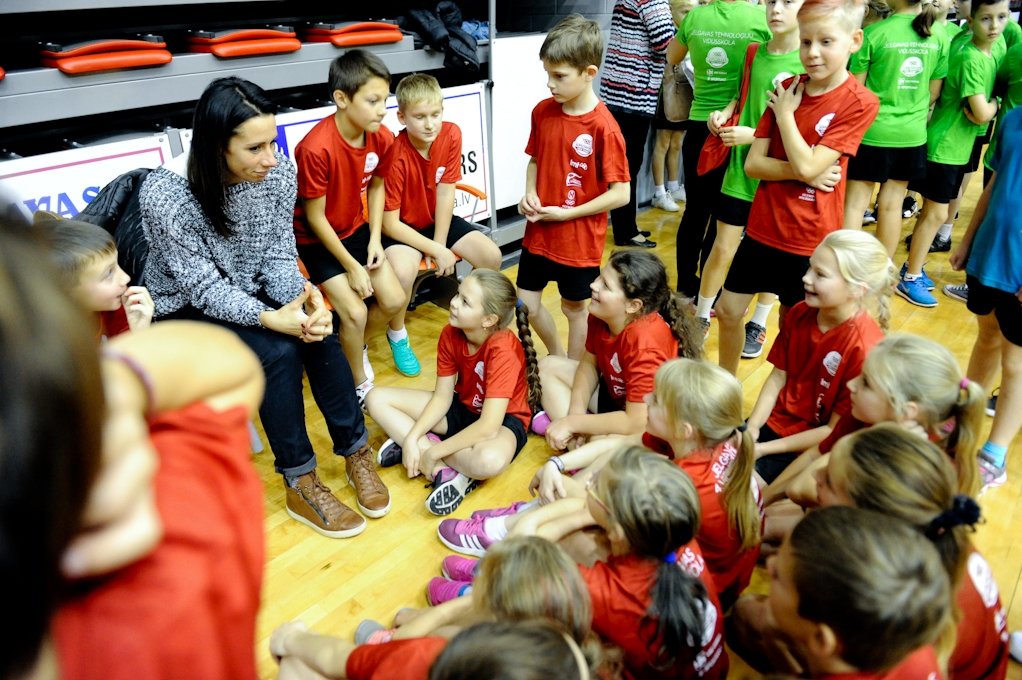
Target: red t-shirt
729, 565
188, 609
577, 158
628, 361
787, 214
981, 648
819, 366
405, 659
620, 590
329, 166
411, 180
494, 371
112, 324
919, 665
846, 424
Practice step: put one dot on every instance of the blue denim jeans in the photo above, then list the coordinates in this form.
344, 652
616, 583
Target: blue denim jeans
282, 412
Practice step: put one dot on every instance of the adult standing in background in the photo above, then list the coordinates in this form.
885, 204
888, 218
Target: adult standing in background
640, 31
716, 36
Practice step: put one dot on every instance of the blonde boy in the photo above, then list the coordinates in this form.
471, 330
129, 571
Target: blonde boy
812, 125
420, 171
577, 172
339, 216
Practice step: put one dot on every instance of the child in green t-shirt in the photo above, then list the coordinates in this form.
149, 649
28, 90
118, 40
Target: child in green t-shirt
775, 61
965, 107
904, 63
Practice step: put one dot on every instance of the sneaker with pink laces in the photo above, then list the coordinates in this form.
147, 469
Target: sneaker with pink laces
440, 590
466, 536
512, 509
458, 568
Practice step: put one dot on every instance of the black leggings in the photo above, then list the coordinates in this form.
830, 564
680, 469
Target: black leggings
697, 229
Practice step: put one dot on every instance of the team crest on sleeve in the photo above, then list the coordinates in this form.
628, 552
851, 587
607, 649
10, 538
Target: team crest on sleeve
372, 160
583, 145
824, 123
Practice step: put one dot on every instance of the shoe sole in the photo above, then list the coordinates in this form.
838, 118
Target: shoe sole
446, 498
461, 549
374, 514
752, 355
994, 484
406, 373
915, 302
955, 296
341, 533
385, 460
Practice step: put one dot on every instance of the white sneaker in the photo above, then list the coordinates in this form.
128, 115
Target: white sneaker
366, 366
665, 202
679, 194
1015, 646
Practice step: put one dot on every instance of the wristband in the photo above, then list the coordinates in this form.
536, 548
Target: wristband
140, 373
558, 463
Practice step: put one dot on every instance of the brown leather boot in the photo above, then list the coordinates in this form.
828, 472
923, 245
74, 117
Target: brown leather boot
370, 493
313, 504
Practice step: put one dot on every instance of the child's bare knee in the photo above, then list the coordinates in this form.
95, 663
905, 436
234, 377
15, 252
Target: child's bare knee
573, 307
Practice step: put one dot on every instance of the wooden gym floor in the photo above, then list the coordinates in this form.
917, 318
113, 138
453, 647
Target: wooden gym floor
333, 584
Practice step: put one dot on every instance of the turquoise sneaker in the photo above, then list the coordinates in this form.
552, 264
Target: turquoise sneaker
916, 293
927, 281
404, 358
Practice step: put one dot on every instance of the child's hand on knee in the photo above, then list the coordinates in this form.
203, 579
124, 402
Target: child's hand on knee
359, 280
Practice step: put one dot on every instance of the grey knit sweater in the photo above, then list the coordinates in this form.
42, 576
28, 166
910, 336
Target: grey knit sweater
190, 264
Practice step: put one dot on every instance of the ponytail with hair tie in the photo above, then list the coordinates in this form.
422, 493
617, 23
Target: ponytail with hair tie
963, 512
671, 558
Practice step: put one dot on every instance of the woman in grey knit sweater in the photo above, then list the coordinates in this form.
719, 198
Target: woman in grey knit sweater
222, 250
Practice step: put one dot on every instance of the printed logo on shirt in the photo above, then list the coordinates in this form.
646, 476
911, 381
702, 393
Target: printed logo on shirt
983, 578
808, 194
717, 57
780, 78
832, 361
583, 145
569, 202
480, 370
477, 402
573, 179
709, 621
824, 123
440, 173
615, 363
372, 160
911, 67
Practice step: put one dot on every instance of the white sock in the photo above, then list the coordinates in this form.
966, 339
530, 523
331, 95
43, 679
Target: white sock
911, 277
495, 527
658, 190
761, 314
945, 230
673, 185
703, 306
396, 336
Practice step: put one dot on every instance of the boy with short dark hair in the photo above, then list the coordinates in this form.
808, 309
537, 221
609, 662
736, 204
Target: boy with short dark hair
85, 256
420, 172
338, 219
578, 171
812, 125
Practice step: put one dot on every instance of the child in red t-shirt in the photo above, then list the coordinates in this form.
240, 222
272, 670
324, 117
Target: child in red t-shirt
652, 595
577, 172
636, 323
812, 125
855, 593
85, 256
911, 381
821, 346
895, 472
339, 216
420, 172
486, 389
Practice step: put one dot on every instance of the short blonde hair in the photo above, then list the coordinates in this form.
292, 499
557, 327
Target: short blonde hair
418, 88
575, 41
848, 13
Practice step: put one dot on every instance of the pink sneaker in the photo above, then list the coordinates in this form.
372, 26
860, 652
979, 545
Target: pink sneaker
512, 509
540, 423
465, 536
459, 568
440, 590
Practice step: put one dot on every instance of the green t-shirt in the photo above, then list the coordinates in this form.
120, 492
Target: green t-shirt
899, 65
950, 29
950, 135
1012, 33
1010, 76
716, 36
767, 70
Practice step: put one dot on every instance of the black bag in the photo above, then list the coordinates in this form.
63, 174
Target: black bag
428, 26
462, 53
